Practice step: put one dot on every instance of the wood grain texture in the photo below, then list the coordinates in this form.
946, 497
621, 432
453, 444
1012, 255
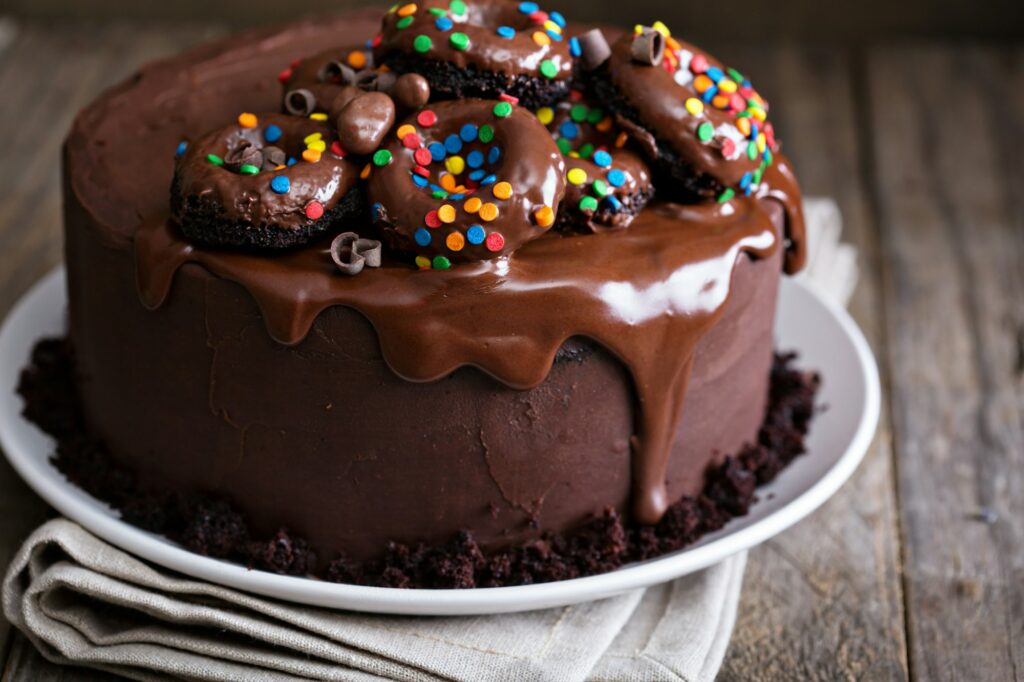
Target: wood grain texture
949, 186
823, 601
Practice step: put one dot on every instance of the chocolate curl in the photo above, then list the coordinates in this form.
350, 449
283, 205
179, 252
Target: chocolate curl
594, 49
300, 102
336, 72
648, 47
351, 253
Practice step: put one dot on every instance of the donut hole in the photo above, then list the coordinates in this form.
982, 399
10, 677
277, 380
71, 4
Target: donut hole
491, 16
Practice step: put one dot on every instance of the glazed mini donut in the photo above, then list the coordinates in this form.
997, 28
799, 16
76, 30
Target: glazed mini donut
607, 183
704, 123
267, 182
465, 181
480, 48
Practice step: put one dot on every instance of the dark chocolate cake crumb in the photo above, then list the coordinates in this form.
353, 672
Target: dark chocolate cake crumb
209, 525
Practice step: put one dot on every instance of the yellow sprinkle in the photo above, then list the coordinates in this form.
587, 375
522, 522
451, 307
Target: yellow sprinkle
455, 164
356, 59
545, 115
621, 140
455, 241
759, 114
446, 213
552, 26
762, 142
405, 130
317, 145
638, 29
726, 85
541, 38
544, 216
502, 190
577, 176
365, 173
695, 106
574, 155
743, 125
472, 205
312, 137
406, 10
318, 116
661, 28
280, 167
311, 155
488, 212
448, 183
247, 120
422, 262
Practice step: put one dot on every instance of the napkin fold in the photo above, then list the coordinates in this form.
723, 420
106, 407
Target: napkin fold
82, 601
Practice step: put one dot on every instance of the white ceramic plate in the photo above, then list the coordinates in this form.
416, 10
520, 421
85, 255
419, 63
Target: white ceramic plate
824, 335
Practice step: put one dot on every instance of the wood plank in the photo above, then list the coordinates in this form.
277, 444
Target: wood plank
823, 601
51, 72
947, 128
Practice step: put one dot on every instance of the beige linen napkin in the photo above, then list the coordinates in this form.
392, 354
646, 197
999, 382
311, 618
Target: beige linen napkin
82, 601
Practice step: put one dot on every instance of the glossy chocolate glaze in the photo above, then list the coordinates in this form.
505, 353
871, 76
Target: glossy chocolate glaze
650, 295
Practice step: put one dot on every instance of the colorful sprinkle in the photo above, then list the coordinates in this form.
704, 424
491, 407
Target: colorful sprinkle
472, 205
694, 106
248, 169
576, 176
602, 158
574, 47
215, 160
455, 165
545, 115
486, 133
356, 59
455, 241
528, 7
502, 190
488, 212
422, 156
318, 116
548, 69
422, 43
432, 220
502, 109
441, 263
310, 155
616, 178
403, 23
494, 242
705, 131
545, 216
422, 237
247, 120
541, 38
280, 184
475, 234
182, 146
446, 213
422, 262
475, 159
443, 24
314, 210
426, 118
458, 7
272, 133
407, 10
381, 157
460, 41
506, 32
588, 204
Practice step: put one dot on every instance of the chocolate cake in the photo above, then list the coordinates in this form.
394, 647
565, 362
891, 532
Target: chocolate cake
402, 341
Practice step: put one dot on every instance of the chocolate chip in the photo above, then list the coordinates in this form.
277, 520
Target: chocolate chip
351, 253
364, 122
300, 102
594, 49
273, 157
648, 47
244, 154
336, 72
411, 91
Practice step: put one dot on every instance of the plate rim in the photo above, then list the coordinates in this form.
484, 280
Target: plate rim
99, 519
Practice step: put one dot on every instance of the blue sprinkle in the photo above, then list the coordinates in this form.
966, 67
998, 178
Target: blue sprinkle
748, 191
568, 130
468, 132
753, 130
709, 94
475, 234
602, 158
475, 159
616, 178
476, 175
489, 180
452, 144
292, 161
714, 73
557, 18
437, 151
745, 180
368, 45
746, 84
528, 7
438, 188
422, 237
280, 184
272, 133
494, 155
506, 32
457, 197
613, 203
419, 180
182, 146
443, 23
574, 47
554, 35
377, 211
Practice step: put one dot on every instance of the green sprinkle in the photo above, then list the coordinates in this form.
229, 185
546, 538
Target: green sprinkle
441, 263
735, 75
752, 150
548, 69
458, 7
248, 169
588, 204
600, 188
578, 113
752, 104
705, 131
756, 180
486, 133
438, 12
422, 43
215, 160
594, 116
381, 157
460, 41
564, 146
727, 194
502, 109
403, 22
439, 194
586, 150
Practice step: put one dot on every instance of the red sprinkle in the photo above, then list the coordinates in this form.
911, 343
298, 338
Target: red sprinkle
426, 118
376, 40
747, 92
737, 103
728, 147
295, 62
769, 135
575, 95
539, 17
314, 210
432, 220
699, 63
411, 141
337, 150
422, 155
284, 75
420, 170
494, 242
508, 98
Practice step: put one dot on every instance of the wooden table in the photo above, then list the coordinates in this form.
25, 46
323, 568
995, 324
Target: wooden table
916, 568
